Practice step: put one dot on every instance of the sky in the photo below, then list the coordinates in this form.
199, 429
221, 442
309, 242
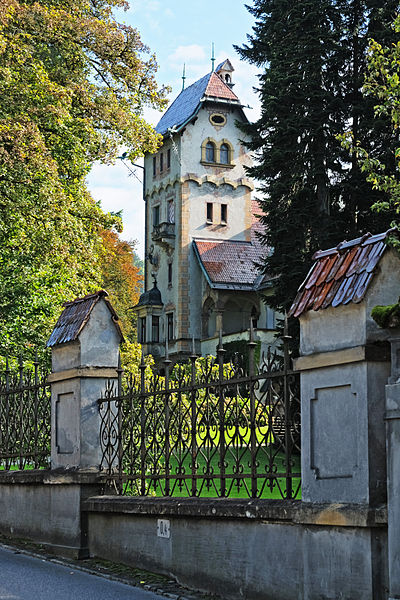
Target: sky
177, 31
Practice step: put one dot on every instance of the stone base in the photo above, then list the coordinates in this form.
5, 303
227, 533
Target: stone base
45, 507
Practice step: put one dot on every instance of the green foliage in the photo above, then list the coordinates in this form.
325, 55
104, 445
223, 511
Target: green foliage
73, 85
387, 316
312, 60
382, 84
240, 348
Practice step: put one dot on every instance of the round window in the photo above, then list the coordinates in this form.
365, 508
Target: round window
217, 119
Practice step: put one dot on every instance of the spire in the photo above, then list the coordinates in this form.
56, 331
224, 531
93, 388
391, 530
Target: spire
183, 77
212, 58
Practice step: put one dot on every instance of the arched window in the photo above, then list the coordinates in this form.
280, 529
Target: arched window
210, 152
227, 78
224, 154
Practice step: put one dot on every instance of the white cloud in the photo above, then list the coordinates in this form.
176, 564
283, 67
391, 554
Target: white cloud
187, 53
117, 190
145, 6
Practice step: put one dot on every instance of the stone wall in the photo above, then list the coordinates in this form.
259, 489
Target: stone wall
258, 550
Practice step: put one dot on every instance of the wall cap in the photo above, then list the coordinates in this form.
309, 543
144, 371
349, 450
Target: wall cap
83, 372
51, 477
290, 511
370, 352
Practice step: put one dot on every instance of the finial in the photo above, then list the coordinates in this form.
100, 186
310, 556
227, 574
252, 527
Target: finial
212, 59
183, 76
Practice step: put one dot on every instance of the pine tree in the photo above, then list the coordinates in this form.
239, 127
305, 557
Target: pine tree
312, 60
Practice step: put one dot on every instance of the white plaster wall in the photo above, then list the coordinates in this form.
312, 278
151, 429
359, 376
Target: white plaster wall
99, 339
195, 133
168, 175
332, 328
217, 195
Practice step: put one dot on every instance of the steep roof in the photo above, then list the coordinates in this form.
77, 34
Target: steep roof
75, 316
150, 298
230, 264
187, 104
340, 275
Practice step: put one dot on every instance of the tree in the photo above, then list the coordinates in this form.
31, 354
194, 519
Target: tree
121, 277
312, 59
382, 84
73, 85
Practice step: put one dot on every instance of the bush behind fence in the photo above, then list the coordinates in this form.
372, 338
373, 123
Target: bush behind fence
205, 428
25, 405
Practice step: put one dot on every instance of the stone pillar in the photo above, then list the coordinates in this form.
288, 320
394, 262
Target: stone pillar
81, 368
85, 346
393, 470
343, 431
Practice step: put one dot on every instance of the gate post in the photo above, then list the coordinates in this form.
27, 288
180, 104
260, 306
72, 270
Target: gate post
85, 346
393, 470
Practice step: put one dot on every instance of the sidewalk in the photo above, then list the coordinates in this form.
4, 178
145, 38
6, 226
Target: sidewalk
113, 572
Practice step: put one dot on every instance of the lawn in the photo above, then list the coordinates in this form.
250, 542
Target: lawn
238, 462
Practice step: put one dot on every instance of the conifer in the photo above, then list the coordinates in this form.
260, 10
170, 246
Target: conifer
312, 56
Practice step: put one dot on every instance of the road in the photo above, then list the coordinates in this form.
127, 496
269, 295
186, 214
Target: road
25, 577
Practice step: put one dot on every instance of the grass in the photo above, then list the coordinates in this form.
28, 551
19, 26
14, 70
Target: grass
239, 488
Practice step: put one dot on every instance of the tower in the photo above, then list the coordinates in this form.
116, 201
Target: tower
201, 277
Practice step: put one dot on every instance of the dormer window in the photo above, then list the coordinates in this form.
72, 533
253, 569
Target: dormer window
210, 152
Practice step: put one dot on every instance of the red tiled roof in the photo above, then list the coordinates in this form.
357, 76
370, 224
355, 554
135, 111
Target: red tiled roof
340, 275
229, 262
218, 89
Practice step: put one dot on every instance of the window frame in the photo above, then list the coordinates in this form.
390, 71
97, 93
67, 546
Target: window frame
170, 274
224, 214
142, 333
171, 213
209, 212
228, 153
156, 211
210, 147
155, 329
170, 326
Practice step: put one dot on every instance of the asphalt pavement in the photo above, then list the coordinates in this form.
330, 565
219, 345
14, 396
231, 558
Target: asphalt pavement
24, 577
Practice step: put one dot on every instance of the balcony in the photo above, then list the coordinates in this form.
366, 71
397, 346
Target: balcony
163, 234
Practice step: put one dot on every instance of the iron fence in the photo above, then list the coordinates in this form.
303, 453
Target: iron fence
24, 416
205, 428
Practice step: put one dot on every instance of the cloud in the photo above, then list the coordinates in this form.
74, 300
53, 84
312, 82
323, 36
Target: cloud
116, 190
145, 6
192, 52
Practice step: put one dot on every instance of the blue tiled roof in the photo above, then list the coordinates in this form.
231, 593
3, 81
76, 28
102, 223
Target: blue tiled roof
184, 106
